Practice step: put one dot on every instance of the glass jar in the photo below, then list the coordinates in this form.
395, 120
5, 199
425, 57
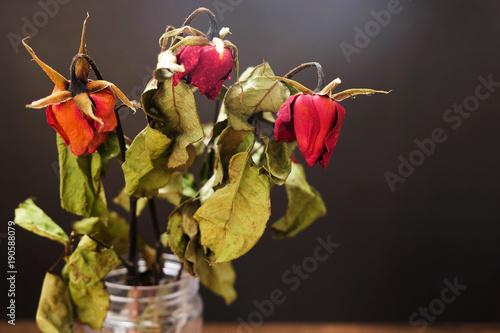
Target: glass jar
174, 307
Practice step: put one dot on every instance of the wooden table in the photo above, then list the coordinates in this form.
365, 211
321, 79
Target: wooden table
30, 327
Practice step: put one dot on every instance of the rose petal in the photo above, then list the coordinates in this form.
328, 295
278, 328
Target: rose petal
314, 118
52, 121
96, 141
104, 102
212, 70
71, 121
333, 136
187, 56
283, 128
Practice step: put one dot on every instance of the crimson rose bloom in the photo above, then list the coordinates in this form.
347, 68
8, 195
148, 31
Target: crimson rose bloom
205, 67
314, 121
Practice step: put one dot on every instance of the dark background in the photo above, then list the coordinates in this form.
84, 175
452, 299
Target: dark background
397, 247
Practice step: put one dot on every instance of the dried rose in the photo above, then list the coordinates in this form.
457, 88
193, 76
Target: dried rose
80, 110
314, 121
205, 67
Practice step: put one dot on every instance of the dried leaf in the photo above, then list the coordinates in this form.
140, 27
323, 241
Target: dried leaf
233, 219
55, 310
30, 217
259, 92
304, 205
81, 189
87, 266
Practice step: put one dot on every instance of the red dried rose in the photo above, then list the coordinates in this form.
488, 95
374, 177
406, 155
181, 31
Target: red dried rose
205, 67
314, 121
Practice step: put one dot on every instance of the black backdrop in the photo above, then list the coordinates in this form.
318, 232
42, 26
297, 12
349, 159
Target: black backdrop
397, 247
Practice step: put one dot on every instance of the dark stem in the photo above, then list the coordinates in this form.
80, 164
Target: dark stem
159, 245
132, 249
213, 31
119, 132
91, 63
179, 274
321, 75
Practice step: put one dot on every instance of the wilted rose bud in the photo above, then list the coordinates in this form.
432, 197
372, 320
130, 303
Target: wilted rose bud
79, 109
314, 121
205, 67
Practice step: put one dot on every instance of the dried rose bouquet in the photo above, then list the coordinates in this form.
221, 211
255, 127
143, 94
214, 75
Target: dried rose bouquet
221, 210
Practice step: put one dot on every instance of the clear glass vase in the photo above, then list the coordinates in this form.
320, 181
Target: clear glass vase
174, 307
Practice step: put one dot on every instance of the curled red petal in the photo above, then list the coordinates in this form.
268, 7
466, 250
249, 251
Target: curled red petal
188, 56
314, 118
333, 136
96, 141
283, 128
205, 68
306, 126
104, 101
52, 121
77, 129
212, 70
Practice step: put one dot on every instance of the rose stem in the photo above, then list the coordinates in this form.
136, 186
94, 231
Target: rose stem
132, 255
179, 274
213, 31
321, 75
132, 249
159, 245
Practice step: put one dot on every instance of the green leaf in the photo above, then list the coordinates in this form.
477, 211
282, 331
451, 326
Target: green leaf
87, 266
30, 217
142, 178
81, 189
55, 311
278, 163
174, 111
304, 205
219, 278
259, 92
233, 219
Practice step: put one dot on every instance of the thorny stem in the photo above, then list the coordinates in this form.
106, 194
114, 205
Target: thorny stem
213, 31
321, 75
